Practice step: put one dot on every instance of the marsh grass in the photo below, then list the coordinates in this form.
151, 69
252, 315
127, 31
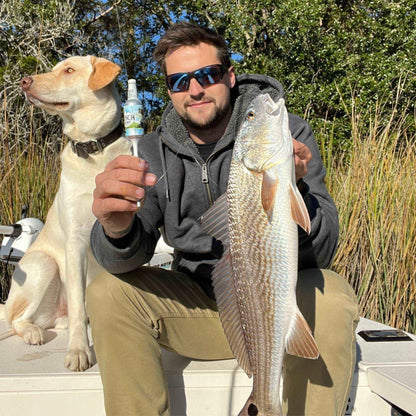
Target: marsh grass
29, 173
373, 185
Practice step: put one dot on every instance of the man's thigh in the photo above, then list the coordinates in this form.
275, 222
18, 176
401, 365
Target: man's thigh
185, 319
321, 387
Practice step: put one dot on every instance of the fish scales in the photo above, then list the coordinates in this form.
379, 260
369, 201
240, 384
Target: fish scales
260, 250
255, 281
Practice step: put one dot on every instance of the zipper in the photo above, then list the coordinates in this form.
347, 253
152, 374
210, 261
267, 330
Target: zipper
204, 173
205, 179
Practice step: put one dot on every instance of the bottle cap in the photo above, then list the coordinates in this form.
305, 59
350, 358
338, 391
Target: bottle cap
132, 90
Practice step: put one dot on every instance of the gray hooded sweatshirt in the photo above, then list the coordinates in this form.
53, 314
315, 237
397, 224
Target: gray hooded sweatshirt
187, 186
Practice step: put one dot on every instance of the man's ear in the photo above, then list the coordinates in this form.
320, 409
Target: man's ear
103, 72
232, 76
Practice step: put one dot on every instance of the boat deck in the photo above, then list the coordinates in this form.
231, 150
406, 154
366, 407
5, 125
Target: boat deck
33, 380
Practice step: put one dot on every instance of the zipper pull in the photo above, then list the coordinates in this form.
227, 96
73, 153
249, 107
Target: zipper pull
204, 173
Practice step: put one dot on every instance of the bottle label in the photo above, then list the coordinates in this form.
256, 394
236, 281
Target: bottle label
133, 120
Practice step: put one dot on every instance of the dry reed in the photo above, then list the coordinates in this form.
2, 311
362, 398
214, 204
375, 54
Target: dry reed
29, 175
372, 185
374, 189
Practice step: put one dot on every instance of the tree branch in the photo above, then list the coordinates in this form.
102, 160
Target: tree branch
103, 13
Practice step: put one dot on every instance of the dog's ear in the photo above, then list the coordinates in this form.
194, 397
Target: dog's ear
103, 72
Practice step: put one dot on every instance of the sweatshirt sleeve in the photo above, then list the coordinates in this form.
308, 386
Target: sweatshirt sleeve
318, 248
135, 249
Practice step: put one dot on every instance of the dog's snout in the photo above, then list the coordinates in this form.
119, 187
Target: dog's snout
26, 82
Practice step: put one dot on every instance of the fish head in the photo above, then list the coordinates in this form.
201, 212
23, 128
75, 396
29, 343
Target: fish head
264, 139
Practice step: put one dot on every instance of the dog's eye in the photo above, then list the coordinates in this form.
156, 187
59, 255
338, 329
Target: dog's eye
69, 70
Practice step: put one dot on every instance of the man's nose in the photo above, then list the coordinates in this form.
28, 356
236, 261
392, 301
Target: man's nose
195, 88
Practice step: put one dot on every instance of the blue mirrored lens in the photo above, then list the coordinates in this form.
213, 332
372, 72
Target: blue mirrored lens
208, 75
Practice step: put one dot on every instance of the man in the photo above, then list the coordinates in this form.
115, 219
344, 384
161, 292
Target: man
134, 310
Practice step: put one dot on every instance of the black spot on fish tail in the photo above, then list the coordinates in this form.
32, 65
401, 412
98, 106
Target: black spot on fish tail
252, 410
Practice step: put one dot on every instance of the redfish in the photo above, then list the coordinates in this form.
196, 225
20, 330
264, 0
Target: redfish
255, 280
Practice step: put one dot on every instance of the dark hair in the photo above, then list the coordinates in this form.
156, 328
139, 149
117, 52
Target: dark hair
189, 34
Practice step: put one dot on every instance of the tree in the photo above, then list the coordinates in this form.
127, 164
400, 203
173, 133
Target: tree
325, 52
34, 36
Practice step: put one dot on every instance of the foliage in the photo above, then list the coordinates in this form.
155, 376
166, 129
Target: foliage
28, 176
373, 186
321, 51
34, 36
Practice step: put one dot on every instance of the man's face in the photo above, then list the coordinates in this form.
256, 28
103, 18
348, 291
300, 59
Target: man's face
200, 107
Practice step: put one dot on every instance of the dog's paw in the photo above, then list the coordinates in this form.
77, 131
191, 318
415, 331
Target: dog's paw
78, 360
32, 334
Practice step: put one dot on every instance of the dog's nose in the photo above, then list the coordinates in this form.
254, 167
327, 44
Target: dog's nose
26, 82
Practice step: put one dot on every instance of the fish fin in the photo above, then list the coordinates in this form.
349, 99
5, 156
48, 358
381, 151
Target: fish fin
299, 340
215, 220
268, 191
226, 298
299, 211
215, 223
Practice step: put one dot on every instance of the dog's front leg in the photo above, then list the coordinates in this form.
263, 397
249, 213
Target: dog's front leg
78, 356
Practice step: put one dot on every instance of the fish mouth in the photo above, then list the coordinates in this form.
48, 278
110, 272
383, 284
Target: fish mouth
272, 107
35, 100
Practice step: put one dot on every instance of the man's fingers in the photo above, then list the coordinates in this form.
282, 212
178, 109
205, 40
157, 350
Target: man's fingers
134, 177
111, 187
302, 151
303, 156
102, 208
118, 189
127, 162
301, 167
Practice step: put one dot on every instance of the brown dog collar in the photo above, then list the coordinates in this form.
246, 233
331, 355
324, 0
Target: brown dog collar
84, 149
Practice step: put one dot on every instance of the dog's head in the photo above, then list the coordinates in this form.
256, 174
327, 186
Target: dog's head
72, 84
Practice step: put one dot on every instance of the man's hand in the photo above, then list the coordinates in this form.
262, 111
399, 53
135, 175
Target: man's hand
117, 191
302, 157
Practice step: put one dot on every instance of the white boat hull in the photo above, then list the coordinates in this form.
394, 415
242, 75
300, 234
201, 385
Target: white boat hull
33, 381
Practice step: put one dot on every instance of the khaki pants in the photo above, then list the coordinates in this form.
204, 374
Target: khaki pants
134, 315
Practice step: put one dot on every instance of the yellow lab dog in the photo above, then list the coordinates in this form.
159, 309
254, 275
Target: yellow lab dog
48, 287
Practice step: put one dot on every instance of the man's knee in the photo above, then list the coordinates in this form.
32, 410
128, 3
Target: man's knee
333, 287
99, 294
324, 294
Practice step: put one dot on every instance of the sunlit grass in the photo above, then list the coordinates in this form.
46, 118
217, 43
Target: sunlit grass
373, 186
29, 174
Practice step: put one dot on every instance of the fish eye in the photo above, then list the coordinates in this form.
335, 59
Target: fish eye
250, 115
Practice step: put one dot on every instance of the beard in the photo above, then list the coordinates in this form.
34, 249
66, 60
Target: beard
212, 121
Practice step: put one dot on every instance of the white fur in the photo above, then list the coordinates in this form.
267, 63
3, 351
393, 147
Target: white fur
48, 287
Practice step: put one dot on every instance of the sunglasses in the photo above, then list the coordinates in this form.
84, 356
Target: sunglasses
208, 75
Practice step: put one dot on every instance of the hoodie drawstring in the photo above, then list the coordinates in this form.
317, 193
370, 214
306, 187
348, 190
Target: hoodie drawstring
164, 169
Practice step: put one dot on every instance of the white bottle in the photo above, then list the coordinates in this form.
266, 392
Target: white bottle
133, 118
133, 114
